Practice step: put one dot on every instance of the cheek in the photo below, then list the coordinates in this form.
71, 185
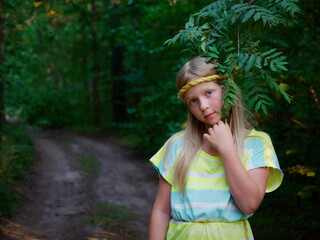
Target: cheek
221, 103
192, 109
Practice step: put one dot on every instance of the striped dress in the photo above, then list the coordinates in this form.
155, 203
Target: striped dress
207, 209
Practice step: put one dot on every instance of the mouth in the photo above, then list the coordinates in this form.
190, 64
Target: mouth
210, 115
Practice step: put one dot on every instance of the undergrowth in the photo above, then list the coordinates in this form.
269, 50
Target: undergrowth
16, 155
89, 164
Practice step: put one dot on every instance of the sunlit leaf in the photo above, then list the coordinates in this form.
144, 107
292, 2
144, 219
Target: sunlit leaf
37, 4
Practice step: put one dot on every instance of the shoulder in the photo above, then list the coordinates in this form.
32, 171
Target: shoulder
175, 140
164, 160
170, 147
258, 137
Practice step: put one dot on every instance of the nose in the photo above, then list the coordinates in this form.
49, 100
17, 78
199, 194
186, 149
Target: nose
203, 104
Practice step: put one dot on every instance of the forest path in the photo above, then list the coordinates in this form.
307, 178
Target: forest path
77, 176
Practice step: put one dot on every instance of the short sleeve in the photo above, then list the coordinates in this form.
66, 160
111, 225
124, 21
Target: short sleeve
165, 159
259, 152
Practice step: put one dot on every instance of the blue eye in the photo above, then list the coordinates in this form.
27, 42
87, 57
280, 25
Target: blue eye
193, 100
209, 92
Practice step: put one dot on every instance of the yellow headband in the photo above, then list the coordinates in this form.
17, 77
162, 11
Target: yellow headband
196, 82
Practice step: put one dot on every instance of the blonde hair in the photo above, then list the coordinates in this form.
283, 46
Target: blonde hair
193, 139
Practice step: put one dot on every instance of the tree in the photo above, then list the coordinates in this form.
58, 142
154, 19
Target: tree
2, 77
96, 66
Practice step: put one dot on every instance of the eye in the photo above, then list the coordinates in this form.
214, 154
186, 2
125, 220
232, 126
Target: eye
193, 101
209, 92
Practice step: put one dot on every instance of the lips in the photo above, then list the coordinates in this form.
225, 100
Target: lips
210, 115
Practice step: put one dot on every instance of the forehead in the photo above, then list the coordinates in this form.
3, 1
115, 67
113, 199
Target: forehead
204, 86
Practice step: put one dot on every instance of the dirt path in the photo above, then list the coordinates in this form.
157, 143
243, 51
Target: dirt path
74, 176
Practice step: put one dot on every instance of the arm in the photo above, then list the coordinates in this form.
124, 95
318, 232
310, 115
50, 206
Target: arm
160, 215
247, 187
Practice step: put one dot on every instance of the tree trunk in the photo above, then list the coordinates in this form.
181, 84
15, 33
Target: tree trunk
96, 68
84, 64
119, 103
2, 84
118, 86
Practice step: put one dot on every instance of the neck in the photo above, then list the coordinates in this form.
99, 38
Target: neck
206, 147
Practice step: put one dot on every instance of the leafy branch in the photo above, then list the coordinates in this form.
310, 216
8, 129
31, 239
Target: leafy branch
222, 31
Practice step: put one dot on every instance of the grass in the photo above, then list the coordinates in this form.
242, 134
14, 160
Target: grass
133, 142
115, 219
90, 165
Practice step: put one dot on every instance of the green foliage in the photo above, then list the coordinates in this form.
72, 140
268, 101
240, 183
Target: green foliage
49, 62
294, 200
150, 69
16, 148
115, 218
48, 71
230, 35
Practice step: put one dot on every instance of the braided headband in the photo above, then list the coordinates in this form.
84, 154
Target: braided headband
196, 82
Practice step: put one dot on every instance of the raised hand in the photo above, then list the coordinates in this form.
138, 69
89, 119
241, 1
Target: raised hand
219, 137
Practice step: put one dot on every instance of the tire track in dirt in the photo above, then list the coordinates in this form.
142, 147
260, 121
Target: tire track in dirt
60, 194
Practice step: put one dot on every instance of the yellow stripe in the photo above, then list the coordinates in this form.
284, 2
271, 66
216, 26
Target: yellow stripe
209, 230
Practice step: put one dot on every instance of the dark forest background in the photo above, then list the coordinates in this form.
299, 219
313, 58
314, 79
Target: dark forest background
101, 67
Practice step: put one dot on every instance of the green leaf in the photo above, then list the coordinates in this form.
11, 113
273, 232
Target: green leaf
242, 60
252, 91
281, 67
258, 62
230, 102
273, 66
257, 106
211, 54
250, 63
210, 41
273, 55
268, 52
234, 97
173, 40
252, 101
257, 16
240, 7
191, 21
214, 34
237, 6
264, 109
230, 49
209, 59
266, 97
203, 46
285, 95
206, 26
280, 59
248, 15
214, 49
226, 44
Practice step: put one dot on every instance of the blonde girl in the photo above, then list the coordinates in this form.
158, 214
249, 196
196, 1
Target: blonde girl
214, 174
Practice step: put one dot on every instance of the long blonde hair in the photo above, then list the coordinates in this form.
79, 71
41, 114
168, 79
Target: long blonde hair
193, 139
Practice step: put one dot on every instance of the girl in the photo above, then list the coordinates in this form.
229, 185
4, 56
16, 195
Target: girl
214, 174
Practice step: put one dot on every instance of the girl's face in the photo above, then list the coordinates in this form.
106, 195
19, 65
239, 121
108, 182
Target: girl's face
204, 102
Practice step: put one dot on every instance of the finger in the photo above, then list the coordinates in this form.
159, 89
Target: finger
206, 136
210, 130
